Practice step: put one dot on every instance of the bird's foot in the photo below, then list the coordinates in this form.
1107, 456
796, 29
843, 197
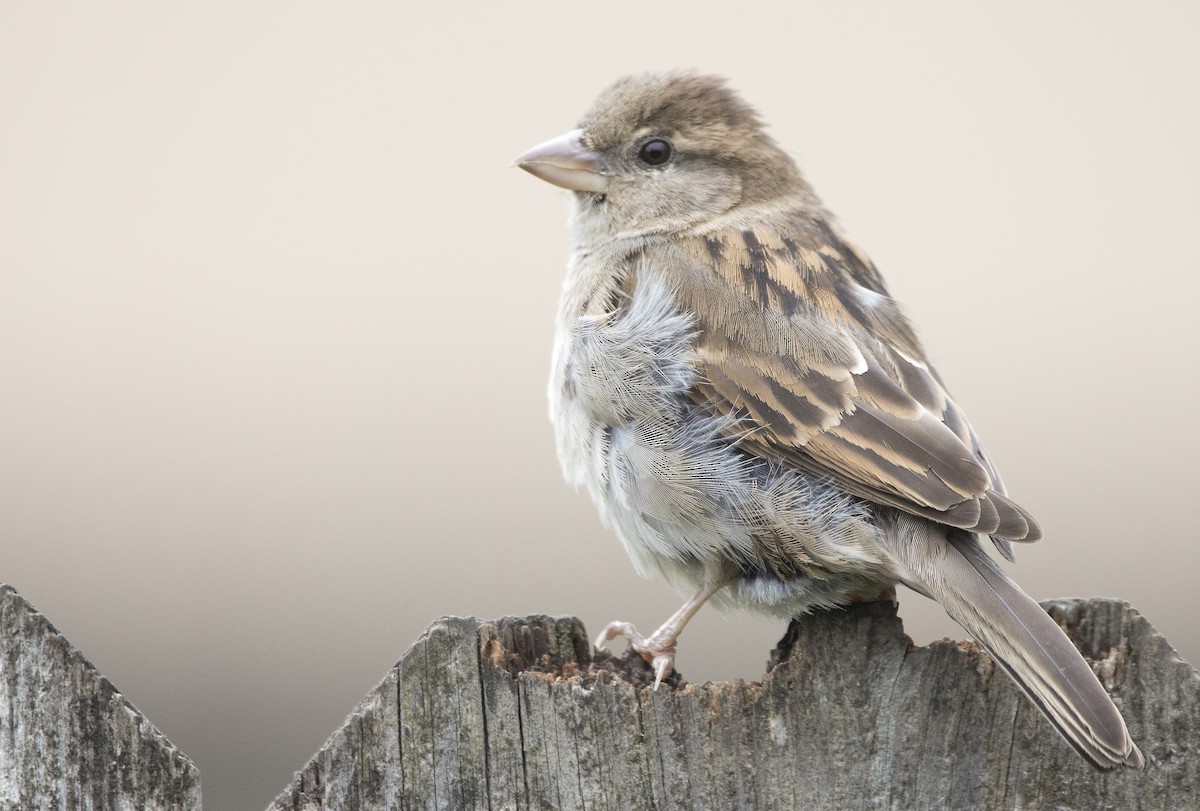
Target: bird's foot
658, 650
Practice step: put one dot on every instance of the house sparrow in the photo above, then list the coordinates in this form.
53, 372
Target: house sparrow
751, 411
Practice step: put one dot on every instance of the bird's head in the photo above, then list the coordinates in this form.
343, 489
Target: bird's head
663, 152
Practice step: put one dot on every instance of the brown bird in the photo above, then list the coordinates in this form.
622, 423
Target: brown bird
752, 412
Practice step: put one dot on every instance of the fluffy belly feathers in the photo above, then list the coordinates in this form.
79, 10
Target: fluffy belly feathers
667, 476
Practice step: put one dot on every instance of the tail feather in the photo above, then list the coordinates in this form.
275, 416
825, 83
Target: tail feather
1029, 645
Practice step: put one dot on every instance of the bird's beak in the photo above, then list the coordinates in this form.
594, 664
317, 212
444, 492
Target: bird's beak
565, 161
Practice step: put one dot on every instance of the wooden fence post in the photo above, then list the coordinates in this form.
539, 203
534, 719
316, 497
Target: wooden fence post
68, 738
522, 713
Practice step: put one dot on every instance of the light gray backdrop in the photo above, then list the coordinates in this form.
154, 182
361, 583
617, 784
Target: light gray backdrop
275, 316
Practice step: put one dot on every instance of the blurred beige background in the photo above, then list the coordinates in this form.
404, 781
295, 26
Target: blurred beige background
275, 317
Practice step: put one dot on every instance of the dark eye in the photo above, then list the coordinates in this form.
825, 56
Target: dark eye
655, 152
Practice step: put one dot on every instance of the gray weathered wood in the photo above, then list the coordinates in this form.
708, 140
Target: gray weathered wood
68, 739
521, 713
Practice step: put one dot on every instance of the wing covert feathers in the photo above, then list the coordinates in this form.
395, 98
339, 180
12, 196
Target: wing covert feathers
796, 329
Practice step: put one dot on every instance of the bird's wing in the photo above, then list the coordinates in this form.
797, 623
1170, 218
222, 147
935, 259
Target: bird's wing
797, 331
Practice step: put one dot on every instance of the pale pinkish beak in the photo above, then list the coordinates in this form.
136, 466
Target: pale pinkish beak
565, 161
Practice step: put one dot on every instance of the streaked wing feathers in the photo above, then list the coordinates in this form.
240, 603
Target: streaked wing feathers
796, 329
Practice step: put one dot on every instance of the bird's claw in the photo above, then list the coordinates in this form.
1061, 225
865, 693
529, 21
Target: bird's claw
663, 664
658, 650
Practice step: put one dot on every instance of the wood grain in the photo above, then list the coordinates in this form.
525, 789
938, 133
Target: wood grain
68, 738
521, 713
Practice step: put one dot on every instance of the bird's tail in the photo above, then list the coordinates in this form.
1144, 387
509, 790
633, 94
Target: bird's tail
1029, 645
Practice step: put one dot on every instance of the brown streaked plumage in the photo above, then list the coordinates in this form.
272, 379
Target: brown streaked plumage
852, 395
752, 412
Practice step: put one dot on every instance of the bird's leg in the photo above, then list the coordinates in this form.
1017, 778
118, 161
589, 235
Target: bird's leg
659, 648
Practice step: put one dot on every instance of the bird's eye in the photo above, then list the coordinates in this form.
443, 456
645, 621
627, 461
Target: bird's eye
655, 152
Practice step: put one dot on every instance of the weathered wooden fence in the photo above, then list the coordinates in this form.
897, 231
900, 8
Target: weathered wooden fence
522, 713
68, 739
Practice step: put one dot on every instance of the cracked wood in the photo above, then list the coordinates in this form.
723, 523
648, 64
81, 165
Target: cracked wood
522, 713
68, 738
